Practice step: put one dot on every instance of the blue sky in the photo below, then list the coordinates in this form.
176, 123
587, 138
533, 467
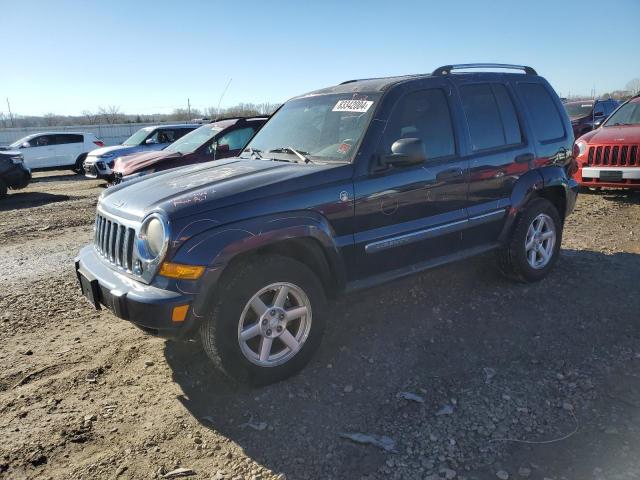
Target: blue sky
68, 56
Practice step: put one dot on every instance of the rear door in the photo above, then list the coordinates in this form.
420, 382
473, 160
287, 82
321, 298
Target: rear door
498, 152
68, 148
407, 216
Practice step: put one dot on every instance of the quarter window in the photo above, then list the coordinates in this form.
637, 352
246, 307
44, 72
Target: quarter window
491, 116
547, 123
425, 115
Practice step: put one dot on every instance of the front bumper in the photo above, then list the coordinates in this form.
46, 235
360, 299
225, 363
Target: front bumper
609, 177
18, 177
146, 306
98, 168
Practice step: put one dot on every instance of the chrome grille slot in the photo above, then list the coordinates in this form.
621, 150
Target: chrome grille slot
114, 242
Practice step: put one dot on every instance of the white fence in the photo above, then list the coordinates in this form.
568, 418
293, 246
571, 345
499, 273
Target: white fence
109, 134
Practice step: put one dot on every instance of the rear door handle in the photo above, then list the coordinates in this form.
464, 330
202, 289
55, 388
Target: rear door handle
449, 174
524, 158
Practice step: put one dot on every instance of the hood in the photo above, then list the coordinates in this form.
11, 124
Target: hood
207, 186
137, 161
9, 153
623, 134
115, 149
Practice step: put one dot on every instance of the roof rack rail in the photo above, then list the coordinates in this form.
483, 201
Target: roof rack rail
238, 117
447, 69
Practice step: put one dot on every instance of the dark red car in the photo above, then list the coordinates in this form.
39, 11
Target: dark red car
585, 115
220, 139
610, 155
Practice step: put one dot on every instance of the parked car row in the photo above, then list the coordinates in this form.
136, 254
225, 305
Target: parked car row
342, 188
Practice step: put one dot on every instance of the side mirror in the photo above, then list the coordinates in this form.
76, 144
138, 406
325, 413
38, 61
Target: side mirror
224, 147
25, 145
150, 141
406, 151
598, 114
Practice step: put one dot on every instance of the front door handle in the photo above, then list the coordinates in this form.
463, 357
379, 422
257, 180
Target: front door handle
449, 174
524, 158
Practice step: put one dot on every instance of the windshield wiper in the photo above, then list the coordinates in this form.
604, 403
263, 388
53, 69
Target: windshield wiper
254, 152
300, 154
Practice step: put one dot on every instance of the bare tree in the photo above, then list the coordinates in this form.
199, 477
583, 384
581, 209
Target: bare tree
111, 114
633, 86
51, 119
90, 118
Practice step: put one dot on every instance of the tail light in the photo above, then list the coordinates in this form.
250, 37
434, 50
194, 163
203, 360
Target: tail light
99, 143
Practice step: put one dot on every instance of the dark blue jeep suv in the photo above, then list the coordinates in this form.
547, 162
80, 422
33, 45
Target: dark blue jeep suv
343, 188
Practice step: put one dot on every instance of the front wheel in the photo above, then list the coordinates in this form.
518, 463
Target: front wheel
78, 167
266, 321
534, 246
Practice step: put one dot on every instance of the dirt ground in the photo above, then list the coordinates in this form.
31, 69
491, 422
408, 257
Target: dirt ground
507, 380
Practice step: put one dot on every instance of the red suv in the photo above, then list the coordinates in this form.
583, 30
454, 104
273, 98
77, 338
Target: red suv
610, 155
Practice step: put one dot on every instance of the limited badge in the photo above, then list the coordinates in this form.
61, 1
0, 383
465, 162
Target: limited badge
359, 106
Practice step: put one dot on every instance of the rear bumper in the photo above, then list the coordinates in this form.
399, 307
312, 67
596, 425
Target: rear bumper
609, 177
146, 306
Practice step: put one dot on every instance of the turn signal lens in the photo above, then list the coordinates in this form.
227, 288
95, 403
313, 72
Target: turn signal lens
181, 272
179, 313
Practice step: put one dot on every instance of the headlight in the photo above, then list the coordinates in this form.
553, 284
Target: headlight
153, 238
17, 159
582, 147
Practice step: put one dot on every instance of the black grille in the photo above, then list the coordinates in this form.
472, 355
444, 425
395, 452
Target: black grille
114, 242
614, 155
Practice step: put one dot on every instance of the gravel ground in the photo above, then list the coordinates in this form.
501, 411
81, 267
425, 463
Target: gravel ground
454, 373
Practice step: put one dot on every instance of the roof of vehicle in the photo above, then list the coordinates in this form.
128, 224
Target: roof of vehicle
176, 125
383, 83
229, 121
59, 133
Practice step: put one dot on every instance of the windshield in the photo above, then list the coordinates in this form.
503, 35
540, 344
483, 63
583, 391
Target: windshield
193, 140
628, 114
578, 109
319, 127
137, 138
19, 143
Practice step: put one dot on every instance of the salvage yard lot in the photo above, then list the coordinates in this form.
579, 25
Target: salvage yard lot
537, 381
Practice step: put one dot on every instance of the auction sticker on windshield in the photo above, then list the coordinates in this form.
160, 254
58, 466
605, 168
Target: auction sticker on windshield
360, 106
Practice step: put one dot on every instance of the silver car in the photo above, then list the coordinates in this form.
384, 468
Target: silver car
99, 162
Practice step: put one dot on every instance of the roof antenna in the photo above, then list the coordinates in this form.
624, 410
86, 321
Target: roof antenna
220, 101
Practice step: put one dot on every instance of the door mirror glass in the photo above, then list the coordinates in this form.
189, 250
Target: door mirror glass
406, 151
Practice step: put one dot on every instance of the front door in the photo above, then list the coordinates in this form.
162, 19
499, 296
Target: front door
408, 215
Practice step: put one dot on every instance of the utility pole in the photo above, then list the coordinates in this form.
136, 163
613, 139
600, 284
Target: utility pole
189, 108
10, 114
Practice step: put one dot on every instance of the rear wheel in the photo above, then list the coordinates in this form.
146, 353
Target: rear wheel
79, 165
534, 246
266, 321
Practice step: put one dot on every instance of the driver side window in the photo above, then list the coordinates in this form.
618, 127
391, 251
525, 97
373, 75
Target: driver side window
424, 115
236, 139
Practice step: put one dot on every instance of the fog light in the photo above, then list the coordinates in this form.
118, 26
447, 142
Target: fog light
179, 313
180, 271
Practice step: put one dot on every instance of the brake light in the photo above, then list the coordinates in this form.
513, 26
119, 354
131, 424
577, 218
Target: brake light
99, 143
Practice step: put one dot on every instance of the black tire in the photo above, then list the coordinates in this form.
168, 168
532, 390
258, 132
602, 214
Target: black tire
219, 330
3, 189
512, 257
78, 167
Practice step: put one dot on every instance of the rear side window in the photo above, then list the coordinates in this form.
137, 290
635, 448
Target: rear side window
491, 116
425, 115
547, 123
69, 138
